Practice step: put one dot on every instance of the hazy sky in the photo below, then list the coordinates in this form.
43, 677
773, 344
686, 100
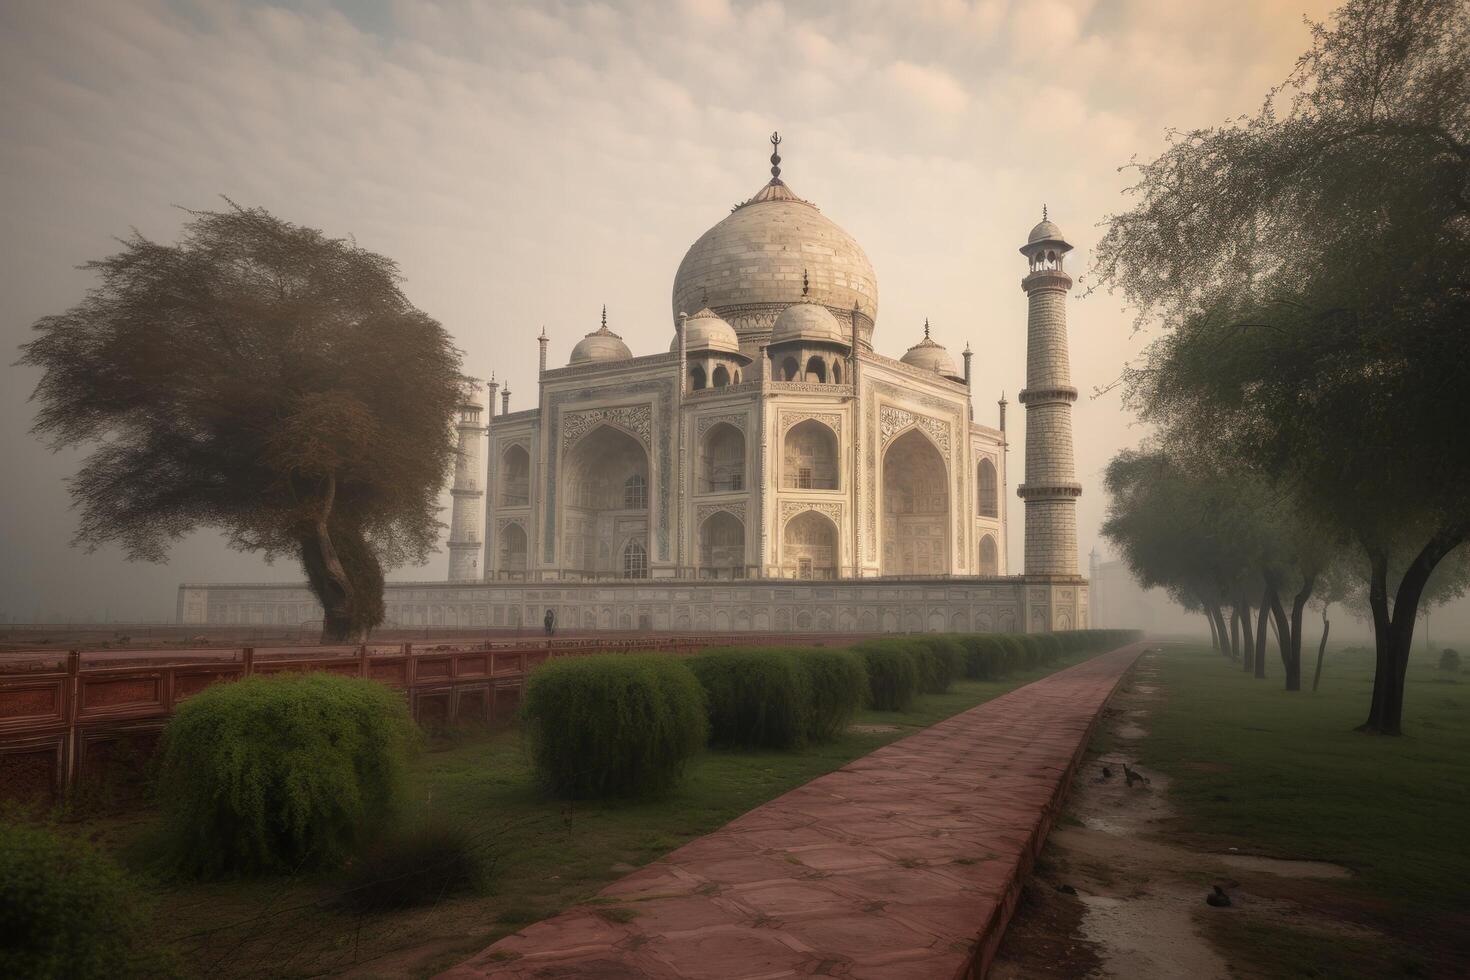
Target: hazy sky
526, 162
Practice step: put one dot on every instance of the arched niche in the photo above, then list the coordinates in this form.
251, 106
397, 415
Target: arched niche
722, 545
721, 376
696, 378
512, 553
809, 546
605, 503
987, 489
816, 370
915, 507
989, 556
809, 457
722, 459
515, 477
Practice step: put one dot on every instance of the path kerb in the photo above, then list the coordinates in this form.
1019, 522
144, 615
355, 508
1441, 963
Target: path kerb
906, 863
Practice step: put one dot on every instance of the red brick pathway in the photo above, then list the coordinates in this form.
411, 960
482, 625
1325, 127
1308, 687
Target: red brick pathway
903, 864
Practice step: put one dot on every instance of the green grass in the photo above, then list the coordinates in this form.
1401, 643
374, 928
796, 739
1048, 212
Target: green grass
1285, 775
549, 854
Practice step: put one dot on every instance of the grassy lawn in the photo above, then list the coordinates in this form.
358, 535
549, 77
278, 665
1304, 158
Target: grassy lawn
549, 854
1285, 775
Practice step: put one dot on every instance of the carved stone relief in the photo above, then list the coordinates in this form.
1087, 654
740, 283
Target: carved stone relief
707, 422
636, 419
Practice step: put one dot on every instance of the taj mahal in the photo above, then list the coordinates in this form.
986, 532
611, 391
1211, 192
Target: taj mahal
770, 471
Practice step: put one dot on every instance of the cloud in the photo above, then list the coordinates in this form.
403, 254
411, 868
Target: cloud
933, 88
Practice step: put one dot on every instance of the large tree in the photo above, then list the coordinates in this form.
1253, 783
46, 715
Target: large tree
263, 379
1311, 268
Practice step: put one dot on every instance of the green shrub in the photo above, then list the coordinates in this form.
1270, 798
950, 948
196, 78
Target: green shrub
838, 682
941, 659
613, 724
758, 698
67, 911
273, 774
893, 674
1049, 647
986, 657
418, 865
1449, 660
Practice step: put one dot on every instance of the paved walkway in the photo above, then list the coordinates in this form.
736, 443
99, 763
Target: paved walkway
906, 863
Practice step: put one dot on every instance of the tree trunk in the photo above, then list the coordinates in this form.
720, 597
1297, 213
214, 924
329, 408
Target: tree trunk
1217, 623
1298, 609
1321, 648
343, 572
1261, 615
1393, 631
1214, 636
1292, 671
1234, 633
1247, 638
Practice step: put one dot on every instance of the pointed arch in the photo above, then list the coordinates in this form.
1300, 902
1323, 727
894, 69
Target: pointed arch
809, 546
722, 545
515, 477
987, 489
809, 457
989, 556
722, 459
916, 507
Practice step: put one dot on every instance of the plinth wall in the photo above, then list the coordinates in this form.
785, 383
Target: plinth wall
951, 604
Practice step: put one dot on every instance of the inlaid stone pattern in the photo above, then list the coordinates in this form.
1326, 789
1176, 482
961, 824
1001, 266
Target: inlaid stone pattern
637, 419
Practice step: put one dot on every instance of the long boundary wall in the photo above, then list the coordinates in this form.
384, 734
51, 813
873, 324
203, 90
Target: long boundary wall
950, 604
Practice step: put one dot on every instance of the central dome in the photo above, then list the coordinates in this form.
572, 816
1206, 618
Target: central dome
748, 268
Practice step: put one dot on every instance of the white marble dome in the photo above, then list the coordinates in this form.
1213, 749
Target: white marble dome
754, 258
705, 331
931, 356
1045, 231
600, 345
808, 321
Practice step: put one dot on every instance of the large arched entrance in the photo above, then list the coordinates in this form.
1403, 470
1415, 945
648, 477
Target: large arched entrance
604, 526
722, 546
809, 546
915, 508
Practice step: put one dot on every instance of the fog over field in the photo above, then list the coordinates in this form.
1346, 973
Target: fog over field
527, 162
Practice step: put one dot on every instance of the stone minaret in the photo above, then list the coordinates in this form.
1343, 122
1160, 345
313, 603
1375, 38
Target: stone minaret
467, 512
1051, 488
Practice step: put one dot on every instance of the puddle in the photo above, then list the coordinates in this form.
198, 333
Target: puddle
1129, 730
1284, 868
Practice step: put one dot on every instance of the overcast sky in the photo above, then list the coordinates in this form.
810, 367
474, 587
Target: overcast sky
526, 162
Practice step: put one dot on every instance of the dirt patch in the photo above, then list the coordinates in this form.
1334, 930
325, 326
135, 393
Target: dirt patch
1044, 941
872, 729
1141, 892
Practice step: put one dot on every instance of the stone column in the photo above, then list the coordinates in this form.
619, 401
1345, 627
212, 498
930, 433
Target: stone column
468, 492
1051, 488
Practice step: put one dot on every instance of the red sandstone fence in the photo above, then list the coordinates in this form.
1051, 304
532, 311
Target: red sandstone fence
72, 717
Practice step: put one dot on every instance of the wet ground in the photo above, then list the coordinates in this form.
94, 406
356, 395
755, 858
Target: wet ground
1114, 896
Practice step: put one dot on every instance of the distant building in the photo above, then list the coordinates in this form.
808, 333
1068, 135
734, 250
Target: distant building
770, 471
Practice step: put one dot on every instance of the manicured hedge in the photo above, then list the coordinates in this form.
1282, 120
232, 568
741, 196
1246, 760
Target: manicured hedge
67, 911
838, 681
613, 724
941, 659
277, 774
893, 673
758, 697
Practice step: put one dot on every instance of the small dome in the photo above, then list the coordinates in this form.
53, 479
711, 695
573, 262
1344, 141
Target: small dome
706, 331
600, 345
807, 321
931, 356
1045, 231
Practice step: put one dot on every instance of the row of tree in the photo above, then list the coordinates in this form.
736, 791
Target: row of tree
1308, 270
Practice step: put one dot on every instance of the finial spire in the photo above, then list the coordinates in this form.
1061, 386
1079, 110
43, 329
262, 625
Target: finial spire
926, 328
775, 156
604, 316
805, 284
1043, 212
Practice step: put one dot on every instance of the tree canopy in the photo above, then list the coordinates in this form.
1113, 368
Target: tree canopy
1310, 266
262, 379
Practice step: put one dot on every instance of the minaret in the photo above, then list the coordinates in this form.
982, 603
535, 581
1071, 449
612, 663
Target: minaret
1051, 488
467, 512
543, 340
